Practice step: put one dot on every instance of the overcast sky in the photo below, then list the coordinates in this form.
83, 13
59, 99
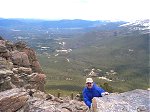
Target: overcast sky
76, 9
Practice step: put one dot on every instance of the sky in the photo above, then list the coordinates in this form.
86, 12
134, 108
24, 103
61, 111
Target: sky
114, 10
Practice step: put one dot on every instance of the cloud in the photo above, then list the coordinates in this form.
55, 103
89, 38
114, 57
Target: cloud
76, 9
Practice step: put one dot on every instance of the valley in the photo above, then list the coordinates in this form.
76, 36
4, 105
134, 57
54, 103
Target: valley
112, 55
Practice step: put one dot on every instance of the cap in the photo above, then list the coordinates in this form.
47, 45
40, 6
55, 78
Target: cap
89, 80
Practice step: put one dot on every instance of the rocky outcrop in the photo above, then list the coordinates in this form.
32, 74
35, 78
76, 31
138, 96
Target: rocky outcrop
12, 100
19, 67
20, 58
132, 101
23, 100
35, 65
4, 52
22, 83
5, 64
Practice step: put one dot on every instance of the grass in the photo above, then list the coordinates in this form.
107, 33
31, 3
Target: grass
131, 66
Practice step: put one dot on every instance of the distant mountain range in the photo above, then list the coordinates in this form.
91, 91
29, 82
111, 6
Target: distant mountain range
35, 23
37, 28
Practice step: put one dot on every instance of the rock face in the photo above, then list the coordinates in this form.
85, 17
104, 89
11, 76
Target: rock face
20, 58
132, 101
35, 65
12, 100
21, 100
19, 67
22, 83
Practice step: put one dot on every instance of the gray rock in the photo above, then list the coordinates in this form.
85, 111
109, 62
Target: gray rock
19, 100
5, 64
12, 100
132, 101
3, 49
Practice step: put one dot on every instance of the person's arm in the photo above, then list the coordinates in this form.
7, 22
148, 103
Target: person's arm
101, 91
86, 100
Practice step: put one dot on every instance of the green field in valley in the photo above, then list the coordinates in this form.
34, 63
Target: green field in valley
127, 55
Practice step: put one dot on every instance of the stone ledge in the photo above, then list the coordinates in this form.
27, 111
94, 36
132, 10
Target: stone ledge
132, 101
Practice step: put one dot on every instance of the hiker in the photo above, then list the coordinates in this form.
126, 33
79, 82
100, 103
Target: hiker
92, 90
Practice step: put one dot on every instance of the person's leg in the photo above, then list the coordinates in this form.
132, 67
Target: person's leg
94, 105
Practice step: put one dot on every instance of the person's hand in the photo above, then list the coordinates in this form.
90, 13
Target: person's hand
106, 93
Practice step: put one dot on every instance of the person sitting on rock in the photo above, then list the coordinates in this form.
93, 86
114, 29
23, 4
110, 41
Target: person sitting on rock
92, 90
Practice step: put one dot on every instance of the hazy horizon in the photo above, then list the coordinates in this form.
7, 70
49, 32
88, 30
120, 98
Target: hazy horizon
114, 10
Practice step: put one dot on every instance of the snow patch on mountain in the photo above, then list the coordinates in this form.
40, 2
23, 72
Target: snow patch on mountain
142, 25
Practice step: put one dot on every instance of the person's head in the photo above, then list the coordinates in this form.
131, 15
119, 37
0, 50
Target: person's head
89, 82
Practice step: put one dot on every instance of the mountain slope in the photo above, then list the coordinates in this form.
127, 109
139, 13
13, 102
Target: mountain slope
125, 53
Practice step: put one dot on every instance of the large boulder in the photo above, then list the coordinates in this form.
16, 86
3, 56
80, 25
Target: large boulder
35, 65
5, 64
20, 58
4, 52
20, 45
6, 55
3, 48
5, 80
12, 100
10, 46
132, 101
38, 81
31, 54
